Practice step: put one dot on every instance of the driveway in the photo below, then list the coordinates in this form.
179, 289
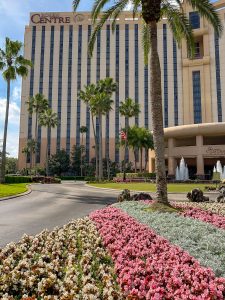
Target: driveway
49, 206
53, 205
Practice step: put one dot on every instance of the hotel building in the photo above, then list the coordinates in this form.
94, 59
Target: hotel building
193, 90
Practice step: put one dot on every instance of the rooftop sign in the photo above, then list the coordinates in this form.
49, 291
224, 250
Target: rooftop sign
53, 18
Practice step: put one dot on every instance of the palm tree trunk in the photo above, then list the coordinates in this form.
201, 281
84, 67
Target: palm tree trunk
31, 157
141, 157
125, 152
96, 147
100, 147
81, 152
157, 117
47, 154
2, 179
146, 158
36, 139
135, 160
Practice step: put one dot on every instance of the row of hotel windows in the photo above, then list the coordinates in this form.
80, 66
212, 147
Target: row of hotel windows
196, 83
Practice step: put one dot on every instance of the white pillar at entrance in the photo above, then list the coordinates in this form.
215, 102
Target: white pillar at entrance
200, 158
171, 159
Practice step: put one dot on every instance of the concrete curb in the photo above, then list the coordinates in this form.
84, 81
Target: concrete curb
107, 189
18, 195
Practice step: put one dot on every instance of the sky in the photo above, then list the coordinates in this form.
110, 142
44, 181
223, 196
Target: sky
14, 15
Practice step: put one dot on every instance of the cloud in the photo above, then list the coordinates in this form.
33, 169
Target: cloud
14, 121
14, 112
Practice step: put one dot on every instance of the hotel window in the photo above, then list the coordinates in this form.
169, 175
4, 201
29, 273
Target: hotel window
218, 78
87, 108
70, 55
60, 87
107, 75
165, 63
197, 106
175, 83
136, 83
79, 61
31, 92
146, 96
194, 19
42, 59
117, 99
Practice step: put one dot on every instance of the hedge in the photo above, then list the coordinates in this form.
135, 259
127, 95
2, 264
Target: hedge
137, 175
18, 179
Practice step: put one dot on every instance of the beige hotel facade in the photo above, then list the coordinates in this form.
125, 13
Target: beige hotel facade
193, 90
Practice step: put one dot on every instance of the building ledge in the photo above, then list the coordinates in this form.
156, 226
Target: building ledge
196, 62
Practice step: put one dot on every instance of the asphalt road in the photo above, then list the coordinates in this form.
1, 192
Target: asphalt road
48, 206
53, 205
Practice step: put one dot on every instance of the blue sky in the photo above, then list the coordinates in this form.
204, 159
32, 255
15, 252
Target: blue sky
14, 15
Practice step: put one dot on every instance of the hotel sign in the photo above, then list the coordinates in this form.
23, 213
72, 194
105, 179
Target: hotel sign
213, 151
56, 18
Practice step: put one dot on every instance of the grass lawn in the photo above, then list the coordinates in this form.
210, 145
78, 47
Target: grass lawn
12, 189
150, 187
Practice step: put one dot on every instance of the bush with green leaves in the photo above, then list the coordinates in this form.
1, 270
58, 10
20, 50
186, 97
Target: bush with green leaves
18, 179
137, 175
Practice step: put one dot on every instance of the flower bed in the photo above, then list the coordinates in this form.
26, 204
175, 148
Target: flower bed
67, 263
217, 208
203, 215
148, 266
202, 240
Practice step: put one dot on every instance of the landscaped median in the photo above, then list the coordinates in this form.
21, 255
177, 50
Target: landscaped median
149, 187
124, 251
12, 189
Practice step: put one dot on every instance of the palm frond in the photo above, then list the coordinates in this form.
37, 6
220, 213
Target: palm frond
97, 8
103, 18
180, 26
208, 11
75, 4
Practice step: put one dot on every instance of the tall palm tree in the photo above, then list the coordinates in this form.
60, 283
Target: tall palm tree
83, 130
30, 150
128, 109
48, 119
12, 64
38, 105
86, 96
100, 105
152, 12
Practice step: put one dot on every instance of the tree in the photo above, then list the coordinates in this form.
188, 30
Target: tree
11, 165
98, 99
30, 150
12, 64
151, 13
83, 130
86, 96
38, 105
48, 119
100, 105
59, 162
128, 109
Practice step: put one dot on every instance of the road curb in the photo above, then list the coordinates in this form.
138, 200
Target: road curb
18, 195
135, 191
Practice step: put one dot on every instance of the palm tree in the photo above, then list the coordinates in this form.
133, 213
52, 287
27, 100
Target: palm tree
128, 109
48, 119
152, 13
83, 130
86, 96
12, 64
30, 150
100, 105
38, 105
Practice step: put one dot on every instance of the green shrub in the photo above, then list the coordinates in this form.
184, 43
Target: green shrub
67, 177
18, 179
136, 175
80, 178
